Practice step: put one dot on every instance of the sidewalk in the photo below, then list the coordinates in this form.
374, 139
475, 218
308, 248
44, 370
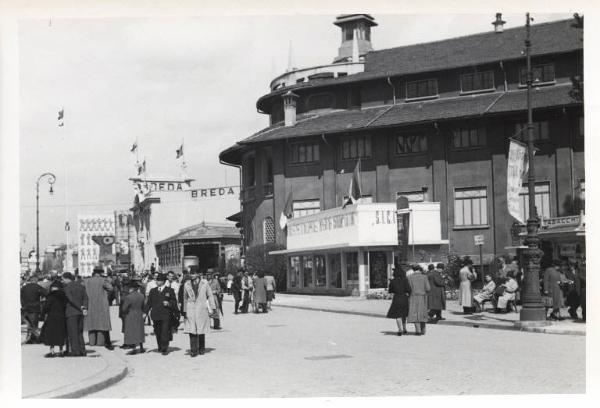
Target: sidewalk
453, 313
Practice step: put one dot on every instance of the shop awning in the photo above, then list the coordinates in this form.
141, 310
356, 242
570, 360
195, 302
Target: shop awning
331, 248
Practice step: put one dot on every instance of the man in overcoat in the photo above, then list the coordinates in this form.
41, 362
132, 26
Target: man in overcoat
552, 281
31, 306
436, 297
77, 304
97, 321
161, 303
196, 313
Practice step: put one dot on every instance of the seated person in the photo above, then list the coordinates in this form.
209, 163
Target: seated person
510, 289
487, 293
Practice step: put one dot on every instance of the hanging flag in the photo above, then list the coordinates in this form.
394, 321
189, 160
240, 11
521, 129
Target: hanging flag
141, 167
517, 153
287, 212
354, 193
134, 147
61, 116
179, 152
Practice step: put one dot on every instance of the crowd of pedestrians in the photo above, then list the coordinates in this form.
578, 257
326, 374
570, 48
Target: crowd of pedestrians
68, 306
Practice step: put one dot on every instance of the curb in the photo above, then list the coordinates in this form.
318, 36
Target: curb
531, 329
115, 371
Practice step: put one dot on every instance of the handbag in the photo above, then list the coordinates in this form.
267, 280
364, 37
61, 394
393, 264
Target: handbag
547, 301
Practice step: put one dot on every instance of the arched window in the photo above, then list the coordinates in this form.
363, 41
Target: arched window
268, 230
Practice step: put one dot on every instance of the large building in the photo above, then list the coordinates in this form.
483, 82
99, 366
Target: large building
430, 122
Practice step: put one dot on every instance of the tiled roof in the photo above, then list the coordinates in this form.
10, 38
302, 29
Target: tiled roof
418, 112
477, 49
204, 231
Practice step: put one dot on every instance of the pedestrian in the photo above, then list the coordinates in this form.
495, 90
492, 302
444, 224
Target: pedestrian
148, 286
97, 321
571, 295
54, 330
466, 275
173, 283
552, 282
271, 287
132, 306
236, 290
417, 302
252, 282
436, 298
246, 292
217, 291
260, 292
229, 283
160, 304
580, 281
31, 307
510, 289
398, 310
123, 292
487, 293
196, 294
74, 313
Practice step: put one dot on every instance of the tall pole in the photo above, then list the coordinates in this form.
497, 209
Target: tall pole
51, 180
533, 309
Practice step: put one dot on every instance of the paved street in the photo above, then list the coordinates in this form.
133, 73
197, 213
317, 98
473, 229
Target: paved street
298, 353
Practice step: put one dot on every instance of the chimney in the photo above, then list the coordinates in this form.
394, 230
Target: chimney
498, 24
289, 108
355, 52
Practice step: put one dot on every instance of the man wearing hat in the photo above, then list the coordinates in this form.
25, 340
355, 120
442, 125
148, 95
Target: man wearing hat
31, 305
196, 293
77, 303
97, 321
161, 303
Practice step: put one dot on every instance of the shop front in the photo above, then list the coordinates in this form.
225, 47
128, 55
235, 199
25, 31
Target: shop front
564, 237
351, 250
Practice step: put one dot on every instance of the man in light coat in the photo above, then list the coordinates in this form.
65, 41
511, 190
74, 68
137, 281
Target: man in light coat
97, 321
196, 313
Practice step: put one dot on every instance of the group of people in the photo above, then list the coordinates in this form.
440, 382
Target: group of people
69, 306
257, 290
419, 297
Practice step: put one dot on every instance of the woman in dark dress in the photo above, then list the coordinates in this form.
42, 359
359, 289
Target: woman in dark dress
399, 308
54, 330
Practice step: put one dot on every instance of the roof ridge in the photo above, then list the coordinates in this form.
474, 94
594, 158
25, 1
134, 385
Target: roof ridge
460, 37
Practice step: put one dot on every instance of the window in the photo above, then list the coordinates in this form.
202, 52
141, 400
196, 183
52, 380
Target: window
364, 199
542, 74
355, 148
294, 271
580, 200
414, 196
305, 207
352, 266
307, 262
320, 271
250, 164
320, 101
540, 131
268, 230
420, 89
464, 138
335, 270
542, 200
304, 153
477, 81
406, 144
470, 207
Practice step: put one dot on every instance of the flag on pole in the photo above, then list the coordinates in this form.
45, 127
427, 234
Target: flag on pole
179, 152
287, 212
134, 147
354, 193
141, 167
61, 116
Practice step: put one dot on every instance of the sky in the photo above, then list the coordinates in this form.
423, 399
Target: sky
164, 81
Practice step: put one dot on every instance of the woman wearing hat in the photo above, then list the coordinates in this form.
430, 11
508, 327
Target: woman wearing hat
132, 306
54, 331
196, 313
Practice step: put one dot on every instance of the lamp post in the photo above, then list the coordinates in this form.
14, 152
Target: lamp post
533, 309
51, 180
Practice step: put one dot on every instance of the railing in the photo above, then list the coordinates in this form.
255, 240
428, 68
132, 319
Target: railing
305, 74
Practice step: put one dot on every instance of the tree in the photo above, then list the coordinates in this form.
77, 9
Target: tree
258, 259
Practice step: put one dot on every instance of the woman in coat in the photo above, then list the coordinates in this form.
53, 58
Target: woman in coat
465, 295
417, 302
54, 330
132, 309
260, 292
552, 281
196, 293
399, 308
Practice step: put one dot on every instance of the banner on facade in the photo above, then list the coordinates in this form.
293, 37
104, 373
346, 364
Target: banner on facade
216, 192
403, 222
517, 153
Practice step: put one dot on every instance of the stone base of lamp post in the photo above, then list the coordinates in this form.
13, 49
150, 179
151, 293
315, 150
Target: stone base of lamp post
533, 308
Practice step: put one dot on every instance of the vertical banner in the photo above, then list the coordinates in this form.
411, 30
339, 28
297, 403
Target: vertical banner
516, 167
403, 220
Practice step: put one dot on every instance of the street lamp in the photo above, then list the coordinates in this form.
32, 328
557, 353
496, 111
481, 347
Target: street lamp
533, 309
51, 180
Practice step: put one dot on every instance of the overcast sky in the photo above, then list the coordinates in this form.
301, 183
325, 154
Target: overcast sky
162, 80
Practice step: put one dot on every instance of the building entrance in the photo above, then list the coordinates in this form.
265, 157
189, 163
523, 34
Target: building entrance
378, 270
208, 255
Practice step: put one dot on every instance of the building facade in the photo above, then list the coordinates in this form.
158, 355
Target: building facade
430, 122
